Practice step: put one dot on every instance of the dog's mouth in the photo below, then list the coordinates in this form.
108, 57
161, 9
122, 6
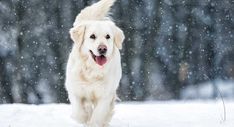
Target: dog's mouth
100, 60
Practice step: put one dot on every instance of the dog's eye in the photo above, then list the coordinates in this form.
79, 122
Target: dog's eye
107, 36
92, 36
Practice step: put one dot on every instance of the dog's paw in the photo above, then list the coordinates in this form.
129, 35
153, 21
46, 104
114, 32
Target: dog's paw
92, 124
79, 118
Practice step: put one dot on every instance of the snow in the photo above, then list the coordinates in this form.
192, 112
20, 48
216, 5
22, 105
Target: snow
131, 114
206, 90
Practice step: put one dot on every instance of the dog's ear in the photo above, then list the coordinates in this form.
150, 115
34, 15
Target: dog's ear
77, 34
118, 37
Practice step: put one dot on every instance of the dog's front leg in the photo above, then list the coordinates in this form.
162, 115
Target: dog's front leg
102, 112
78, 110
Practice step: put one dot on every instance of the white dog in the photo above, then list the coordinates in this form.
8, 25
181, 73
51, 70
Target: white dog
94, 66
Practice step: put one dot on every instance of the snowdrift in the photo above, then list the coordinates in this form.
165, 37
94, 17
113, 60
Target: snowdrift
132, 114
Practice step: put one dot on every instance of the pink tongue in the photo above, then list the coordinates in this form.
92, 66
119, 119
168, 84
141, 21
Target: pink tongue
100, 60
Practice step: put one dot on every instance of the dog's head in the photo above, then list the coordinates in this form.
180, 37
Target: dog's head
97, 39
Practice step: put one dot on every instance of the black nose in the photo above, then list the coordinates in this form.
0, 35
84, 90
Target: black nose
102, 49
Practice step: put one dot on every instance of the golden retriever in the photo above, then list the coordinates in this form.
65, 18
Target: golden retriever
94, 65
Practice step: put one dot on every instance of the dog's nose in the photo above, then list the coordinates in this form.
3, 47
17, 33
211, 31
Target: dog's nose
102, 49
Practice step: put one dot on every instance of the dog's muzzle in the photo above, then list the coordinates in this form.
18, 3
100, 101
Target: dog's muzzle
100, 60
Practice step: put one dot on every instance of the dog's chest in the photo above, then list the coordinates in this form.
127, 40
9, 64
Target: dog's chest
94, 83
92, 75
92, 91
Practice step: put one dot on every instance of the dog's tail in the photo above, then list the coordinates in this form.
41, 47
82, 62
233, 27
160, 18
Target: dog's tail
97, 11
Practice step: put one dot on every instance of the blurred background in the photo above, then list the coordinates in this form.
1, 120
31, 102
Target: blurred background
174, 49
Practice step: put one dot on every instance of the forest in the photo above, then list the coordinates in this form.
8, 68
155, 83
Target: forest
172, 48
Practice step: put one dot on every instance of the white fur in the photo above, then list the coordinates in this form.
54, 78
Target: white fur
91, 87
97, 11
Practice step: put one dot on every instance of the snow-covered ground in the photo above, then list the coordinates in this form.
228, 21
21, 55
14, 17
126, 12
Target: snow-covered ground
149, 114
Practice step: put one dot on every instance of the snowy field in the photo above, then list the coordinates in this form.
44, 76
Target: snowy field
150, 114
